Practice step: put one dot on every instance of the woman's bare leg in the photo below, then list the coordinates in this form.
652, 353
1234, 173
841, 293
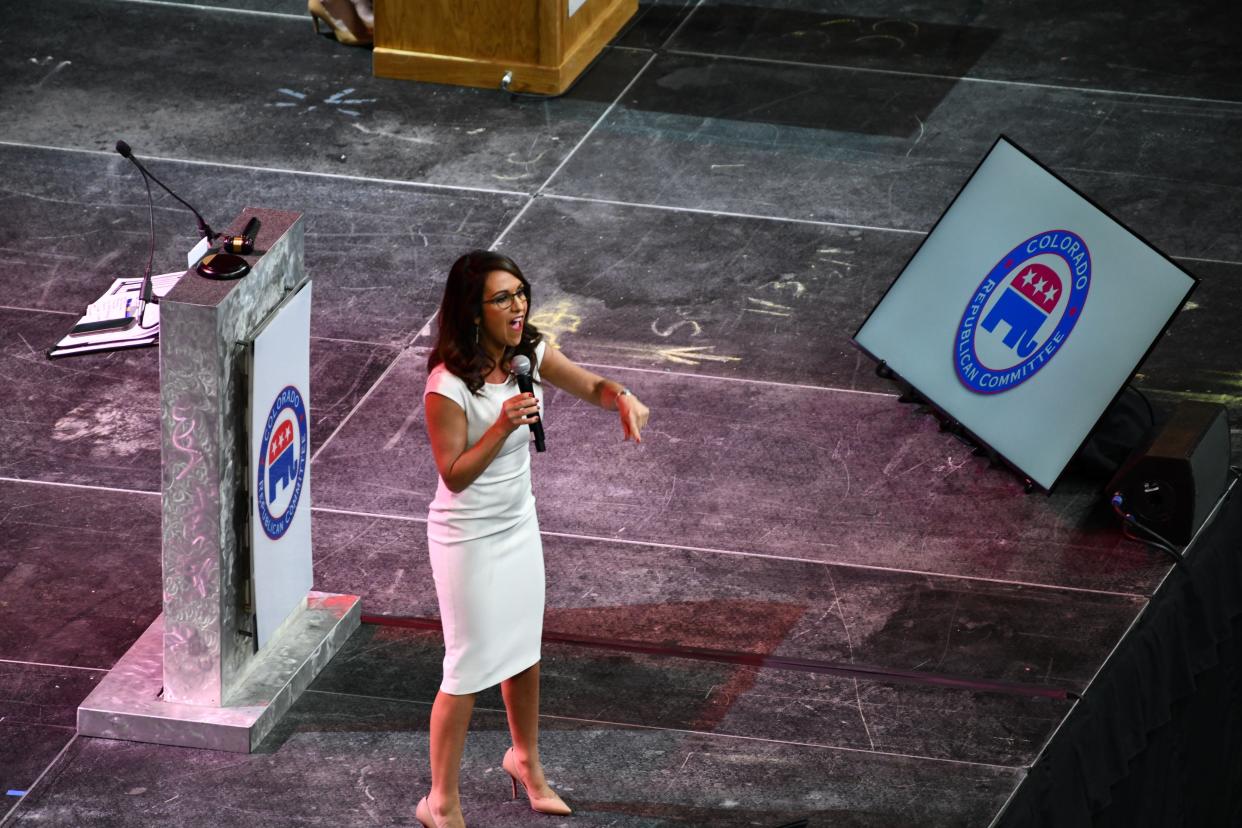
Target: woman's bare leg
521, 695
450, 721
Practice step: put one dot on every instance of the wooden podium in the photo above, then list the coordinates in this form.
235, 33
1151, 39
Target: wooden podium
542, 45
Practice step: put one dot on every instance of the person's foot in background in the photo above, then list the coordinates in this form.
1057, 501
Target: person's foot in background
366, 13
342, 19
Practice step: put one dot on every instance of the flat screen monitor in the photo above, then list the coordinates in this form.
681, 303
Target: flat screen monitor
1024, 312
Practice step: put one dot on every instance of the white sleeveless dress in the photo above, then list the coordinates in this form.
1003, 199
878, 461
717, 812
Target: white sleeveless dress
486, 553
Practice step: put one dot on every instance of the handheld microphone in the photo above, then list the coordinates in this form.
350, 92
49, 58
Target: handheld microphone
521, 372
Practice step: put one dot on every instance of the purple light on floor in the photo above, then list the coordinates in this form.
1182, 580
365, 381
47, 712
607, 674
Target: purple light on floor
16, 793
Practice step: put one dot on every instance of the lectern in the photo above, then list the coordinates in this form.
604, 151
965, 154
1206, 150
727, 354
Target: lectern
538, 46
207, 673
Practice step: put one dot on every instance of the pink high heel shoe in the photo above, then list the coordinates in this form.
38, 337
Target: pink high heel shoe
545, 805
423, 814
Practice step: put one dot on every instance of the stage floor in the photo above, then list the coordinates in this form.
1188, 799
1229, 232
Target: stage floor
707, 217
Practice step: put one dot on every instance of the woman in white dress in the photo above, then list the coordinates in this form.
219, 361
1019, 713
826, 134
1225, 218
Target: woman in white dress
482, 530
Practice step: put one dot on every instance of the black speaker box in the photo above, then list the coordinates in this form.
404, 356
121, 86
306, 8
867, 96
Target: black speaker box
1173, 485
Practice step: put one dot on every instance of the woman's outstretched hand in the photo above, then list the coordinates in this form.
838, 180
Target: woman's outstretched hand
518, 410
633, 417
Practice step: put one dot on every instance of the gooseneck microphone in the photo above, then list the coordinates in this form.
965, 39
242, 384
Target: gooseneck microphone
203, 229
220, 265
521, 372
146, 293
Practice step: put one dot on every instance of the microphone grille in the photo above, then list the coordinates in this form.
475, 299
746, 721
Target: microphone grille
123, 149
520, 365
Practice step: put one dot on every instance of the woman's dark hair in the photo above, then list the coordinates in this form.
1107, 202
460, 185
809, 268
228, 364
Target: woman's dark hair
457, 345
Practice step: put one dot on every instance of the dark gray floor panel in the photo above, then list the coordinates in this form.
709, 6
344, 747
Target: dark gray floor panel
90, 419
1201, 355
341, 373
1153, 47
377, 252
732, 297
79, 573
891, 150
836, 35
654, 23
725, 699
39, 694
94, 419
348, 760
382, 453
678, 598
804, 473
28, 749
284, 99
38, 710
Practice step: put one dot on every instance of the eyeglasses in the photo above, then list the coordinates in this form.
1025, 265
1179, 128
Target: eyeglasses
507, 301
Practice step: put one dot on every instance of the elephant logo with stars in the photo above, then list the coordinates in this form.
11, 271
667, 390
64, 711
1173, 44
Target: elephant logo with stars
1022, 312
283, 455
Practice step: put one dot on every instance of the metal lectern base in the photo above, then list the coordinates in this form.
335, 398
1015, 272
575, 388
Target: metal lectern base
127, 703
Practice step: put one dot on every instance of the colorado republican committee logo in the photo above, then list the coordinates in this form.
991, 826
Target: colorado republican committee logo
1022, 312
282, 462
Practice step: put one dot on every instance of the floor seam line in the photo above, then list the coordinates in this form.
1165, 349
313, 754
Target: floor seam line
665, 45
954, 78
396, 347
278, 170
656, 544
542, 193
496, 242
55, 666
745, 380
707, 733
12, 720
1206, 261
39, 310
594, 126
1012, 793
766, 556
224, 9
5, 819
731, 213
362, 400
91, 486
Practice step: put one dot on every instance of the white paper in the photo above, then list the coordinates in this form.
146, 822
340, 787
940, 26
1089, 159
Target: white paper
197, 252
111, 306
123, 292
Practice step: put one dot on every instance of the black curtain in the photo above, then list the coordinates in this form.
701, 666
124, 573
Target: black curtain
1156, 739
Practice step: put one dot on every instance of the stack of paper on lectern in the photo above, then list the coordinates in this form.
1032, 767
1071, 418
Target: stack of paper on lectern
136, 324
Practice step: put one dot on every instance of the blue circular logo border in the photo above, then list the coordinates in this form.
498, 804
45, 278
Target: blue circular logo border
970, 371
289, 397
